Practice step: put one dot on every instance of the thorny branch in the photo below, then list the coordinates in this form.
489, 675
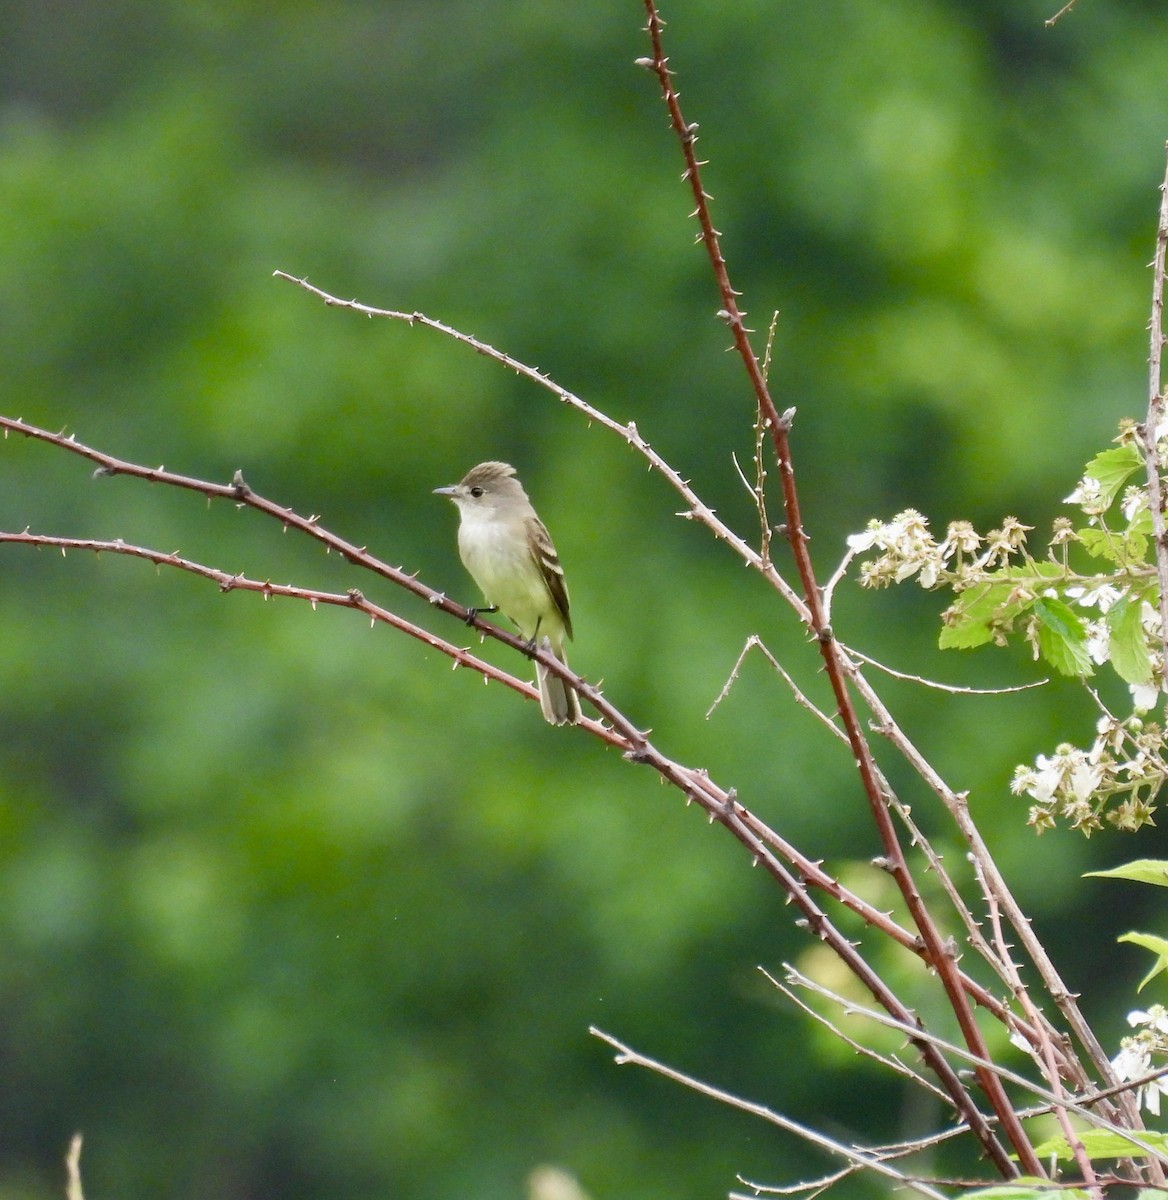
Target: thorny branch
941, 957
616, 728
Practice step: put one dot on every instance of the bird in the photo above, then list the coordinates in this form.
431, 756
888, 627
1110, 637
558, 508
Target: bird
509, 554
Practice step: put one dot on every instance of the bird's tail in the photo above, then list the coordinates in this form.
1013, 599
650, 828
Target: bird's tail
559, 703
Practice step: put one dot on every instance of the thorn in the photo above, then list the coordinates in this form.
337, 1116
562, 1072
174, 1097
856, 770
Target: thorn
644, 62
238, 484
727, 805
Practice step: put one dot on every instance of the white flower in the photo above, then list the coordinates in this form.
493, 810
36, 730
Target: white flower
1087, 495
859, 542
1084, 779
1156, 1017
1134, 501
1133, 1061
1102, 594
1098, 641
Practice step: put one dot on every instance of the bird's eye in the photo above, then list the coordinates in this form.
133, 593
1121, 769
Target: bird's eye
476, 492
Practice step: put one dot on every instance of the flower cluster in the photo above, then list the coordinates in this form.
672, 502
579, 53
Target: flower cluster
1125, 760
1143, 1053
908, 548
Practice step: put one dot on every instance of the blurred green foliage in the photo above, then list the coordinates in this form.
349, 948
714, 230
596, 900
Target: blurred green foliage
288, 908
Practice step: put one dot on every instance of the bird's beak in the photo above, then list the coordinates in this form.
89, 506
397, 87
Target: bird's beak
445, 491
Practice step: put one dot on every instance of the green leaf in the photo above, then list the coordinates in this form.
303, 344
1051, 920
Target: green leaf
1101, 543
1157, 945
1130, 546
1129, 646
1101, 1143
976, 612
980, 610
1141, 870
1112, 469
1062, 637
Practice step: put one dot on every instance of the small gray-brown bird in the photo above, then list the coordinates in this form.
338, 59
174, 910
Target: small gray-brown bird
509, 554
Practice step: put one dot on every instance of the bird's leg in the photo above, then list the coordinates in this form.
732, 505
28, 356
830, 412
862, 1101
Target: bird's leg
472, 614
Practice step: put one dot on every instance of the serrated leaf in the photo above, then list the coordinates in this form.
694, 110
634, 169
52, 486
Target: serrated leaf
974, 613
1141, 870
1129, 646
1102, 1143
1112, 469
1100, 543
1130, 546
977, 612
1157, 945
1062, 637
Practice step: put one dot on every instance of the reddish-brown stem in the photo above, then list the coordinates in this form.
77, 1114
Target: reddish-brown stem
941, 958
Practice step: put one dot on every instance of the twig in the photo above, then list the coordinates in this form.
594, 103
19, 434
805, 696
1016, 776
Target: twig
801, 698
895, 1065
837, 575
814, 1187
626, 1055
1080, 1106
1152, 434
240, 493
73, 1170
1066, 8
1046, 1053
952, 689
761, 428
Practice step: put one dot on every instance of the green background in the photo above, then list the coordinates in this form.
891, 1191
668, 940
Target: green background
287, 908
